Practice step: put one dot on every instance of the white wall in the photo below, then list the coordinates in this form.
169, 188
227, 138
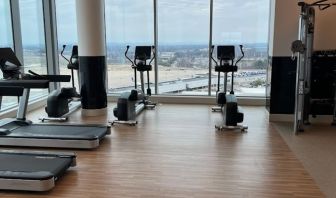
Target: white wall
325, 29
285, 23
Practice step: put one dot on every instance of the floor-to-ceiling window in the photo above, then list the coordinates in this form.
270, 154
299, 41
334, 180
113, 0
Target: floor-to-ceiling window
6, 36
244, 22
183, 46
183, 37
6, 40
33, 40
128, 22
66, 35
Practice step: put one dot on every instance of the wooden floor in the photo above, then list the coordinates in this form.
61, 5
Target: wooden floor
175, 151
315, 148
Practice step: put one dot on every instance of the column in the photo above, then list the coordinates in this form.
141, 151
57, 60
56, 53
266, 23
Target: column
92, 56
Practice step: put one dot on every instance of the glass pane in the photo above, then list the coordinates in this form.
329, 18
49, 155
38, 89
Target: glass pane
244, 22
33, 41
6, 40
183, 33
128, 22
6, 37
67, 35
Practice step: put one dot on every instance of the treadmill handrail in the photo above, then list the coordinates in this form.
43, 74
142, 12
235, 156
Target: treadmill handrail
27, 84
11, 91
50, 78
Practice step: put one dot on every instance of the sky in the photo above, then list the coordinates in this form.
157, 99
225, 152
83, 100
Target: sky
5, 33
32, 25
187, 21
179, 21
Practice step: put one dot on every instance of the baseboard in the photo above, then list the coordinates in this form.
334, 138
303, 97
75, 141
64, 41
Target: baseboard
290, 118
34, 105
244, 101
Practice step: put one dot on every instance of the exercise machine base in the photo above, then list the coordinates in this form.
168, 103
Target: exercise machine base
129, 122
216, 109
62, 119
150, 106
73, 106
242, 128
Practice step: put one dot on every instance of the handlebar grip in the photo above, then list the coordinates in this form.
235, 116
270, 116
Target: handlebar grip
64, 46
212, 49
33, 73
241, 48
127, 48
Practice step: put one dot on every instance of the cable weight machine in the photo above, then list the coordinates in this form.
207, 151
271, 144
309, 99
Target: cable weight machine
303, 47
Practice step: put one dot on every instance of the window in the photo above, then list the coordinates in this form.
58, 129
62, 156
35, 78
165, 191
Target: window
244, 22
6, 40
183, 29
183, 51
128, 22
67, 35
6, 36
33, 41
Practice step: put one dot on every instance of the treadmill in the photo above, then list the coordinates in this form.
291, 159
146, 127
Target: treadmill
31, 171
22, 132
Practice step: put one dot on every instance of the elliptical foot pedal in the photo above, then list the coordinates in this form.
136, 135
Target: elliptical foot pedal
61, 119
129, 122
232, 128
150, 106
216, 109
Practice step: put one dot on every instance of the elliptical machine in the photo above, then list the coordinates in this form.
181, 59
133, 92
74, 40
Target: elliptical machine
227, 103
130, 104
62, 102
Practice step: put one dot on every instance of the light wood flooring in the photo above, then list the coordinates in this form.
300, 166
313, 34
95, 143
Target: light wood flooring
175, 151
315, 148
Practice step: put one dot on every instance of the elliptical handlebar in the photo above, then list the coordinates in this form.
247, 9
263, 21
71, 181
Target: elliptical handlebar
154, 55
127, 48
243, 54
211, 54
35, 74
64, 46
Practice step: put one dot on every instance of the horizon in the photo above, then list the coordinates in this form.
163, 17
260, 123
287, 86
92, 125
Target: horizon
164, 44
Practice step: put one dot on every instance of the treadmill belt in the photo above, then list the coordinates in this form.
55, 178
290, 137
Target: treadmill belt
70, 132
32, 166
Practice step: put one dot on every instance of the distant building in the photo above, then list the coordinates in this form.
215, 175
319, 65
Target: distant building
166, 56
